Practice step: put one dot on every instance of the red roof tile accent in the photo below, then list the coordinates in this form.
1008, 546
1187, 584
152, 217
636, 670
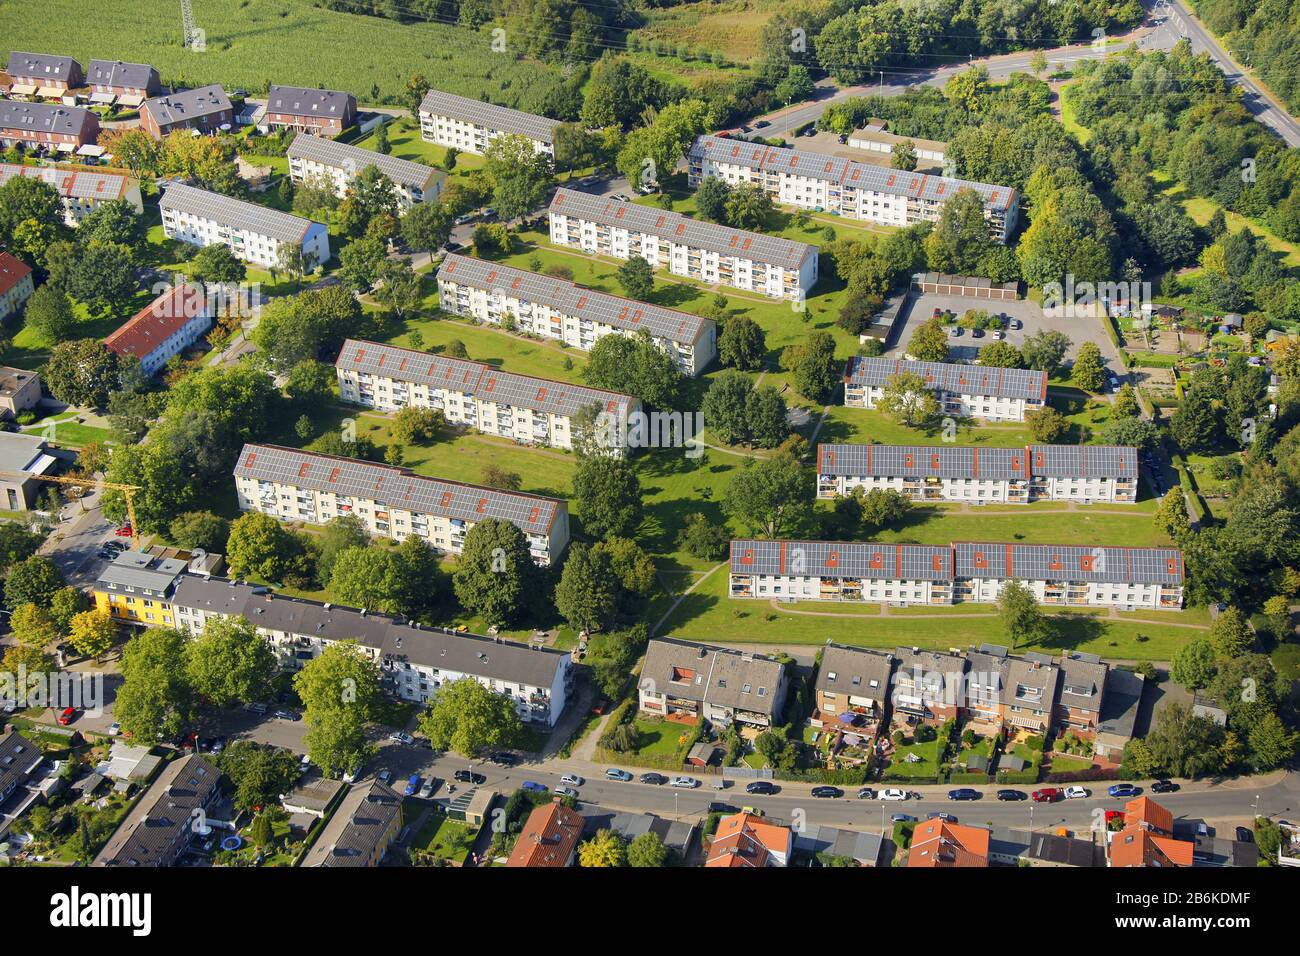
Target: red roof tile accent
158, 321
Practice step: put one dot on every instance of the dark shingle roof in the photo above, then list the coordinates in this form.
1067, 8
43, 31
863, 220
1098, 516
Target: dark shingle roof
856, 671
147, 835
228, 211
1083, 676
42, 65
358, 827
723, 676
304, 101
187, 105
136, 76
951, 377
19, 758
489, 115
45, 118
332, 153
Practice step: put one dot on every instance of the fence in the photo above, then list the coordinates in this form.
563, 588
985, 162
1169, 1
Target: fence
747, 773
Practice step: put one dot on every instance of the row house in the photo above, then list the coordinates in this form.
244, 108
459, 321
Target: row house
560, 310
713, 254
1083, 473
43, 75
1148, 839
963, 391
320, 112
47, 126
928, 686
160, 826
392, 502
414, 661
720, 684
905, 574
826, 183
16, 285
127, 84
533, 411
81, 191
365, 824
254, 233
311, 157
853, 686
165, 327
470, 126
206, 109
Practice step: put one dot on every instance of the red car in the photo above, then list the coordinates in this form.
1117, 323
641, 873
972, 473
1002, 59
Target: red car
125, 531
1047, 795
68, 715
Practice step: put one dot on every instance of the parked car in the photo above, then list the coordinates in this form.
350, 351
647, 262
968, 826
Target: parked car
762, 124
828, 793
761, 786
402, 738
125, 531
866, 793
115, 546
1015, 325
964, 793
1164, 786
977, 333
533, 786
567, 792
941, 815
903, 818
1046, 795
688, 783
412, 785
469, 776
1012, 795
613, 773
893, 794
1245, 835
426, 792
502, 758
655, 779
954, 332
256, 707
384, 776
1076, 793
114, 729
1124, 790
572, 779
68, 716
286, 715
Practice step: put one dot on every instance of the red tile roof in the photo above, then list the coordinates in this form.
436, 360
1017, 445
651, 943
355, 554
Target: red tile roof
12, 272
1147, 839
746, 840
1147, 813
549, 837
938, 844
157, 321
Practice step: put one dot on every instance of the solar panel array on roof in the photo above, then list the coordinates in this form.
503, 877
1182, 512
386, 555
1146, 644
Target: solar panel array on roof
329, 152
481, 381
842, 559
798, 162
397, 488
619, 313
234, 212
680, 229
489, 115
71, 183
950, 377
990, 464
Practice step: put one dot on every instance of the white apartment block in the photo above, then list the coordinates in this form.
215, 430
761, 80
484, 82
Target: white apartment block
165, 327
684, 246
294, 485
415, 662
471, 125
558, 309
903, 574
1083, 473
313, 157
254, 233
80, 191
16, 285
822, 182
532, 411
964, 391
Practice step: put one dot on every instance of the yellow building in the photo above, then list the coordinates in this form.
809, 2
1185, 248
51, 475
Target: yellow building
137, 589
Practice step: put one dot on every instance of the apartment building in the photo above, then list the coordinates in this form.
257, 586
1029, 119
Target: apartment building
254, 233
81, 191
414, 661
534, 411
1083, 473
558, 309
16, 285
137, 588
43, 75
965, 391
928, 687
206, 109
311, 157
165, 327
853, 685
19, 388
47, 126
295, 485
320, 112
719, 684
471, 125
819, 181
127, 84
684, 246
901, 574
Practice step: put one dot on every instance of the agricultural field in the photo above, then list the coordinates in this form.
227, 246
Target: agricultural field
731, 28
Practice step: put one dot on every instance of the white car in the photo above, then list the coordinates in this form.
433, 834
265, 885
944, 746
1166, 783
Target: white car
402, 738
567, 792
1076, 793
572, 779
384, 776
893, 794
114, 729
688, 783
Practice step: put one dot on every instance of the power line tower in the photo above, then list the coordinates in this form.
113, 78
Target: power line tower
187, 23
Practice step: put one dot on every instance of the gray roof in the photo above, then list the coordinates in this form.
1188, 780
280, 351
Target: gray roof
676, 835
849, 173
681, 229
951, 377
936, 670
986, 677
235, 212
315, 792
18, 452
722, 676
856, 671
970, 282
185, 105
485, 382
1083, 678
149, 833
338, 155
994, 464
836, 841
47, 65
1121, 702
19, 758
451, 651
1030, 685
842, 559
140, 571
489, 115
136, 76
627, 314
72, 183
358, 827
1053, 562
398, 488
304, 101
51, 118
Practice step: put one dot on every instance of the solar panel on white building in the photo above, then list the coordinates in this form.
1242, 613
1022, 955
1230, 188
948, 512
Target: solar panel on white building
234, 212
489, 115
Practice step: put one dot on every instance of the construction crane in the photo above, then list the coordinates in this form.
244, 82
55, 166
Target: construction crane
128, 492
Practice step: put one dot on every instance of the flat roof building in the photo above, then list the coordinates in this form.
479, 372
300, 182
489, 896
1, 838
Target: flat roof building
254, 233
968, 391
471, 125
22, 457
19, 389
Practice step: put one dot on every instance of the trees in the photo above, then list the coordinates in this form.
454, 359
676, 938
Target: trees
33, 626
635, 365
619, 92
1020, 614
768, 495
339, 534
814, 371
748, 206
217, 265
587, 593
1171, 516
399, 286
907, 399
929, 342
417, 425
1193, 664
66, 604
960, 239
371, 196
521, 176
767, 415
359, 262
704, 539
49, 314
741, 343
494, 572
427, 226
1089, 371
297, 329
201, 530
637, 278
1001, 354
83, 372
92, 633
368, 577
230, 663
469, 718
155, 697
647, 850
1197, 425
1046, 424
903, 156
724, 407
1045, 350
605, 849
494, 476
1231, 634
259, 546
607, 497
1139, 432
17, 542
259, 773
1126, 403
340, 691
34, 580
711, 199
103, 276
884, 508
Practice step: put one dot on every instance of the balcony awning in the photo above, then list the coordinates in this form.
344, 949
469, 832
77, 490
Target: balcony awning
131, 100
103, 97
51, 92
22, 89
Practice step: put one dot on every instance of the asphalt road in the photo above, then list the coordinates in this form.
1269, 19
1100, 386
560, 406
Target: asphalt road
75, 543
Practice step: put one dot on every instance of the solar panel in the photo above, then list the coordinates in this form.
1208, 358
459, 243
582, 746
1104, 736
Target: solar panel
235, 212
69, 183
489, 115
950, 377
955, 461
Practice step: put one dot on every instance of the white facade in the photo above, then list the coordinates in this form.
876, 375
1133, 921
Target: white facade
253, 233
962, 391
993, 408
470, 126
338, 164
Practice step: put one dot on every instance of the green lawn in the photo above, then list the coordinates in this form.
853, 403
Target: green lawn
658, 737
927, 766
64, 430
405, 143
442, 836
511, 353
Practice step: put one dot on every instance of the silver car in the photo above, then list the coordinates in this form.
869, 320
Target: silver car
686, 783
